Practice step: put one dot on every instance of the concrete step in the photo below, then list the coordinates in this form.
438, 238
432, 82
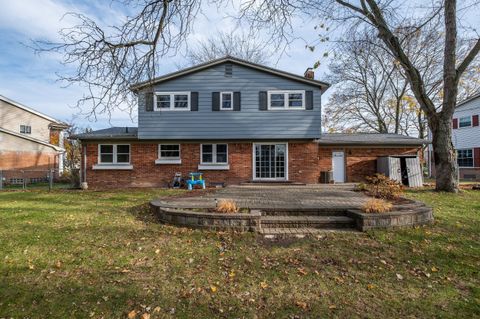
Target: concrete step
278, 233
305, 212
330, 222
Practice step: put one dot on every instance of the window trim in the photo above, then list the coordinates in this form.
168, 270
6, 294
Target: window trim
214, 165
473, 157
285, 106
114, 154
172, 101
468, 126
25, 131
169, 160
221, 100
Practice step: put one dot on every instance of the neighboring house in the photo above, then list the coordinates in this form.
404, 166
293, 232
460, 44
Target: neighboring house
31, 143
236, 122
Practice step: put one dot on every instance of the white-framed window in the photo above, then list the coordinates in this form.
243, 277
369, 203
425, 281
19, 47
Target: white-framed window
25, 129
113, 154
172, 101
465, 158
214, 153
283, 100
226, 101
465, 121
169, 151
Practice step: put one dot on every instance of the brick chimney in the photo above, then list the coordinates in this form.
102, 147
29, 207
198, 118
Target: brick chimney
309, 73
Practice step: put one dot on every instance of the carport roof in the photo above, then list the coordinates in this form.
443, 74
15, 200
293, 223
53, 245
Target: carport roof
369, 139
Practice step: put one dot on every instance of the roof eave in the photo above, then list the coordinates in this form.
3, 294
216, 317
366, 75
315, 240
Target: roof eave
137, 87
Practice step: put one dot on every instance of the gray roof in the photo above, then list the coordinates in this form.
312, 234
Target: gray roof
118, 133
369, 139
229, 59
468, 99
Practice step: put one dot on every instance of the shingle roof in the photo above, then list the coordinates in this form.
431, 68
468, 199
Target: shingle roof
369, 139
323, 85
109, 133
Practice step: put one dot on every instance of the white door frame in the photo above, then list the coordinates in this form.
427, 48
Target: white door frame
254, 175
343, 166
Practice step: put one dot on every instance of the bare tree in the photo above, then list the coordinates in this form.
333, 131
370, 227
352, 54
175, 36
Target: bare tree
384, 16
244, 46
108, 60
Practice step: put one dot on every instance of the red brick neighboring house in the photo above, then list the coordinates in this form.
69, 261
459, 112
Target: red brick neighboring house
30, 142
235, 122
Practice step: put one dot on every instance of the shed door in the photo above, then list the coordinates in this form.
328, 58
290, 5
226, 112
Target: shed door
338, 164
414, 172
395, 170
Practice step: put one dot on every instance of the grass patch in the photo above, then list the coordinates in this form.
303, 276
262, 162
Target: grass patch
74, 254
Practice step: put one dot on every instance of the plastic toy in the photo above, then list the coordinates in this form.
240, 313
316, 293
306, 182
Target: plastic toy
195, 179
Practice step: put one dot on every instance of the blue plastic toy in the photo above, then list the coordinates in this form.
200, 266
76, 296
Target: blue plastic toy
195, 179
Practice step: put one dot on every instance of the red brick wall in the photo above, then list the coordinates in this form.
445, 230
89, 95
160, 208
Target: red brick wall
360, 162
302, 157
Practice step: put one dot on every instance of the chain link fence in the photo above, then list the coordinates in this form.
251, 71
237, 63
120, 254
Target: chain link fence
41, 179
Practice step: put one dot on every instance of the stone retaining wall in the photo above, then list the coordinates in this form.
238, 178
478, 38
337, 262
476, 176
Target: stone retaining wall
215, 221
404, 215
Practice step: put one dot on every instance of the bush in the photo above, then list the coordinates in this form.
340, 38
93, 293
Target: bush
380, 186
376, 206
227, 206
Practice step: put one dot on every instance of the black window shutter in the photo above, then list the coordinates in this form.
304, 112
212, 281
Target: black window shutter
194, 101
309, 100
215, 101
236, 101
149, 102
262, 101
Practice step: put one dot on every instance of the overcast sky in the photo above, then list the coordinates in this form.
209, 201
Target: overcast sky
31, 79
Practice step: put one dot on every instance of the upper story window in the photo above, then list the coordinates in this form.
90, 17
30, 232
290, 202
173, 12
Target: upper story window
465, 158
214, 154
114, 154
465, 121
25, 129
226, 101
281, 100
172, 101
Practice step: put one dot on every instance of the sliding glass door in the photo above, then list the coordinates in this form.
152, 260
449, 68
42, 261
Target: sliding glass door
270, 161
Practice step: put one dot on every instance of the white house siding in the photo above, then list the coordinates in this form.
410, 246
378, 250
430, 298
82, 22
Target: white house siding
467, 137
11, 117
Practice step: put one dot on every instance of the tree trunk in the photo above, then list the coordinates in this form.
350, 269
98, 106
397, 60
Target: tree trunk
444, 154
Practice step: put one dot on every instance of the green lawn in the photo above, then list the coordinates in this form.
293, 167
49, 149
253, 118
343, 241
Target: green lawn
74, 254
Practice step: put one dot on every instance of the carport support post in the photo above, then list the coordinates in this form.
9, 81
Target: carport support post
1, 179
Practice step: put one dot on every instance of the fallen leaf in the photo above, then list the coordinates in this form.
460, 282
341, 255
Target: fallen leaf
301, 304
157, 251
370, 286
58, 264
399, 277
213, 289
264, 285
145, 316
332, 307
248, 260
157, 309
132, 314
302, 271
434, 269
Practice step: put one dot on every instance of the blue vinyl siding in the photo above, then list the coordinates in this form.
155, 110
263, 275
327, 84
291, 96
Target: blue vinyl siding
249, 123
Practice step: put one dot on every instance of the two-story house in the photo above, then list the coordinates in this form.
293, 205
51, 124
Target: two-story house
466, 137
235, 122
30, 142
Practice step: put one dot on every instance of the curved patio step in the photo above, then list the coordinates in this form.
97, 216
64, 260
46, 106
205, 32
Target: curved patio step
326, 222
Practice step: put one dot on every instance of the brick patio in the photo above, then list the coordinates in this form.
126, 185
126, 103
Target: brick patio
306, 197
